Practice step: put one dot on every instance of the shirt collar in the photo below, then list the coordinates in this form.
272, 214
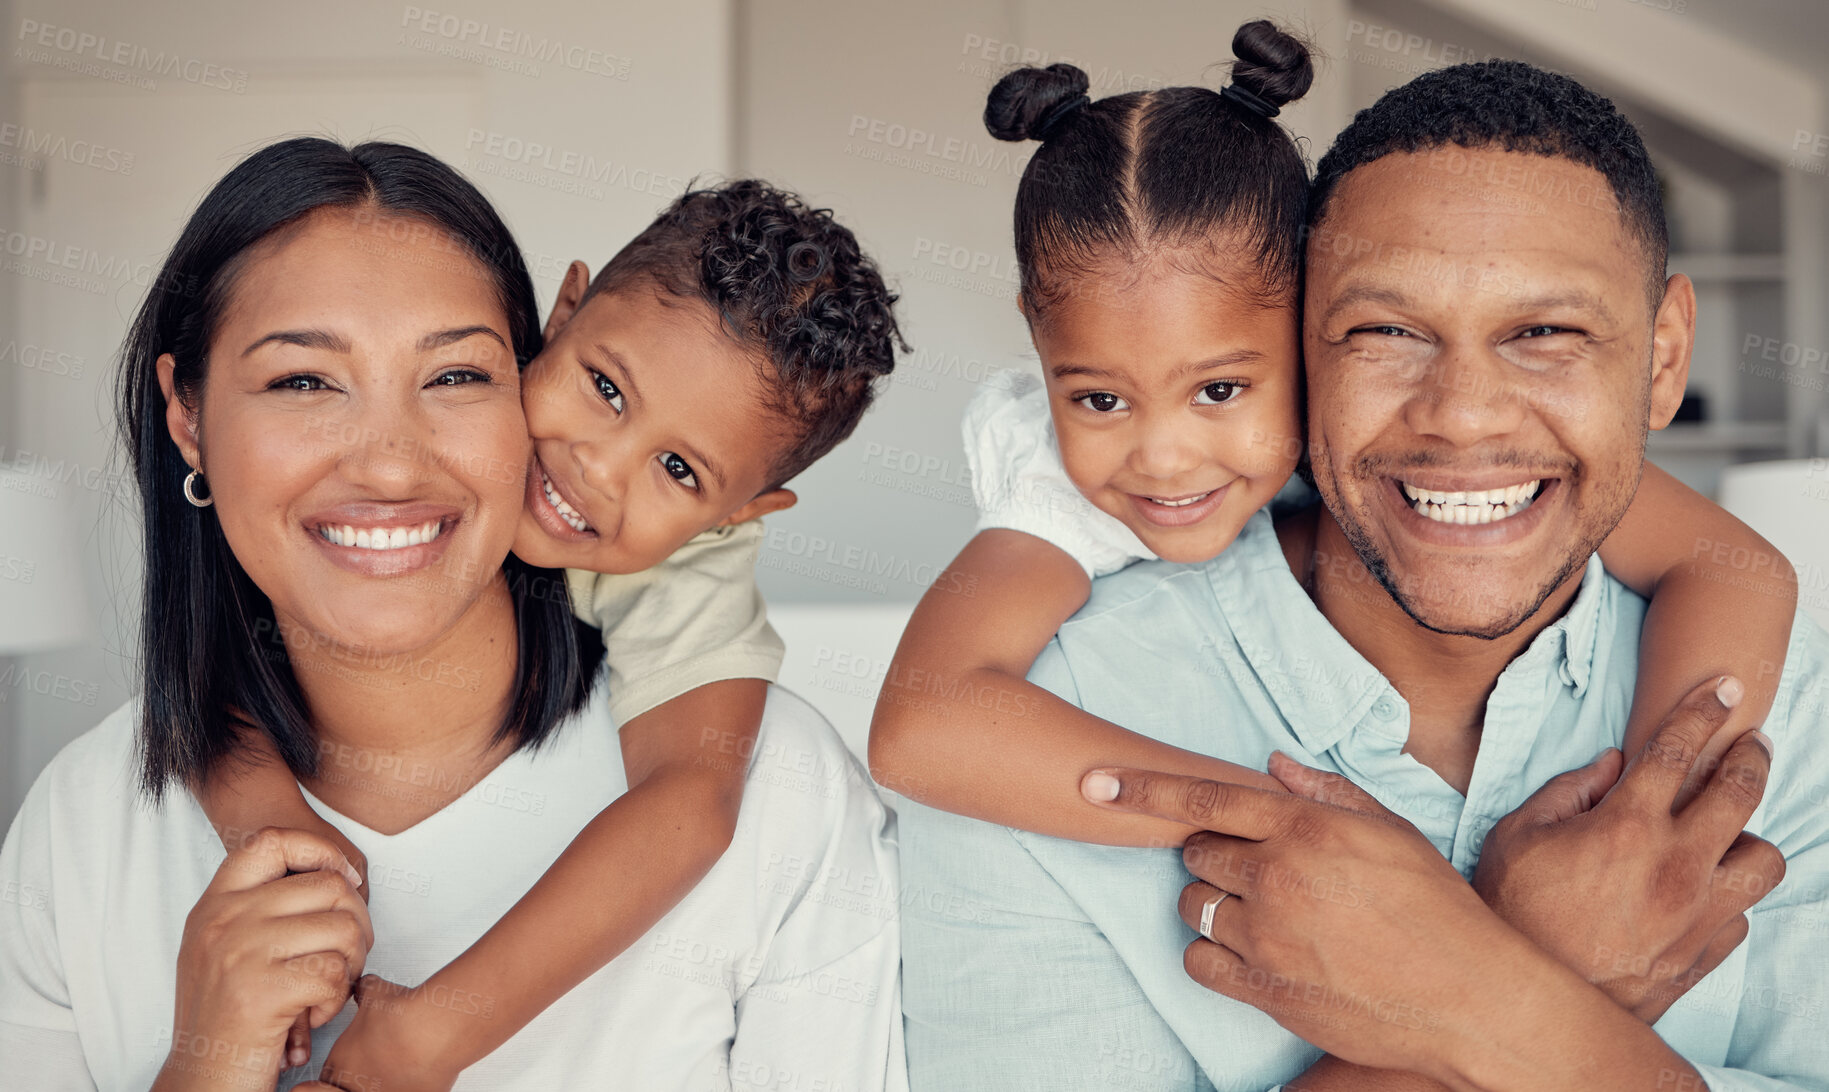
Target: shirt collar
1321, 684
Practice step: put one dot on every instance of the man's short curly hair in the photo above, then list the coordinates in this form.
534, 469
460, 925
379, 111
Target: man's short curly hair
1517, 107
786, 280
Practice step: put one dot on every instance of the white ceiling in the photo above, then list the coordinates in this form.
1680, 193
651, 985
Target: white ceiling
1794, 31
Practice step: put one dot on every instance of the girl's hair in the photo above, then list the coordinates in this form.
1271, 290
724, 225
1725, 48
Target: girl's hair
213, 659
1143, 169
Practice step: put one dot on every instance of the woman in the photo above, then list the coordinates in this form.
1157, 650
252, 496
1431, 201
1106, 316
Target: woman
336, 341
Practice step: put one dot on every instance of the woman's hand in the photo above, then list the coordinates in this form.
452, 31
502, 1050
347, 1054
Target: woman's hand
280, 931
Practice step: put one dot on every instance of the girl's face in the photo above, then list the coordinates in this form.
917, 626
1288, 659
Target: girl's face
360, 429
1175, 399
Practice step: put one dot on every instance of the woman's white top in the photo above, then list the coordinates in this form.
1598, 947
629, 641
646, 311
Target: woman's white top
1020, 483
778, 971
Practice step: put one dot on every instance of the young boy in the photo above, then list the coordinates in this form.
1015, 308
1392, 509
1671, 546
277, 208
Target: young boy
725, 349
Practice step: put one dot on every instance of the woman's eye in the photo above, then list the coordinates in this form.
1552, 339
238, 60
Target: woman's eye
298, 383
1214, 393
680, 470
1385, 330
458, 377
608, 390
1102, 401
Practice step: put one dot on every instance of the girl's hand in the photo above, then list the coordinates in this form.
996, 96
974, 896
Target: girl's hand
279, 932
392, 1043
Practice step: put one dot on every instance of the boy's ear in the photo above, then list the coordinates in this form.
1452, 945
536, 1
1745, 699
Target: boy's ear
775, 500
179, 420
571, 293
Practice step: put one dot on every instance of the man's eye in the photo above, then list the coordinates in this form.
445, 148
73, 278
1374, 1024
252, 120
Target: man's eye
1545, 331
680, 470
1383, 330
298, 383
1214, 393
1102, 401
458, 377
607, 389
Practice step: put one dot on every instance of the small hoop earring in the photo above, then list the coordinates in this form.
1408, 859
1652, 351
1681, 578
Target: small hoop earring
190, 490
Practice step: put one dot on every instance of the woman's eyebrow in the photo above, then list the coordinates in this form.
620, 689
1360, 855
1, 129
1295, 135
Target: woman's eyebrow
452, 336
308, 339
337, 343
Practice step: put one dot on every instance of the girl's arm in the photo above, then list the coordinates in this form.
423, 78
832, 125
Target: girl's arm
958, 727
1722, 603
686, 762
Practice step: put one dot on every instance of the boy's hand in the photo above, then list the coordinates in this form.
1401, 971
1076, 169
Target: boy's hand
385, 1049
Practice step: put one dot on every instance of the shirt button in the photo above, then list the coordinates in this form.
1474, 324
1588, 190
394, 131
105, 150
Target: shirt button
1384, 709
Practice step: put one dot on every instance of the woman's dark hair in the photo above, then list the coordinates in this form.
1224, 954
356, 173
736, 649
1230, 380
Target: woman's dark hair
1142, 169
213, 658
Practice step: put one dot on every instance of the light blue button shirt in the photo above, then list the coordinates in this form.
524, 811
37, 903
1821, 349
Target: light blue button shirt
1035, 963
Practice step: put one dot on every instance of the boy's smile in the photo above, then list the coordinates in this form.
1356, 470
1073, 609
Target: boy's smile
650, 424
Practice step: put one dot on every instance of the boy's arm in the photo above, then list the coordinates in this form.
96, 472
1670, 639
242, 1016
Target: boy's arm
686, 762
253, 789
1722, 603
958, 727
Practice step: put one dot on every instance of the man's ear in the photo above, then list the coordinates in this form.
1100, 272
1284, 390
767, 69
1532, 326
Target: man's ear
775, 500
1673, 337
180, 420
571, 293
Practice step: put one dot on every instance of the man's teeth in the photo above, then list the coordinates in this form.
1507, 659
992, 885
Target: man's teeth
1181, 503
382, 538
1474, 506
566, 512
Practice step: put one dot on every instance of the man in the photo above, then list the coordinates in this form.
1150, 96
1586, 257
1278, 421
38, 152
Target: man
1452, 343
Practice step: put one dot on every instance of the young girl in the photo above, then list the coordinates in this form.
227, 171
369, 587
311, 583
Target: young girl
1153, 229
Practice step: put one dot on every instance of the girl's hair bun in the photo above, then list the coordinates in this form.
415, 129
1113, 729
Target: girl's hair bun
1024, 99
1272, 64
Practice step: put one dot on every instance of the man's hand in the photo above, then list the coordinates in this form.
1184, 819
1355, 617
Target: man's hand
1640, 901
1340, 920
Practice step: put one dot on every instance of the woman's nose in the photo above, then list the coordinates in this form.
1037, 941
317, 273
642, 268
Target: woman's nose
390, 451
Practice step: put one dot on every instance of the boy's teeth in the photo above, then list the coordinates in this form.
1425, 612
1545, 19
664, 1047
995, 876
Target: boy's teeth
1181, 503
566, 512
382, 538
1472, 507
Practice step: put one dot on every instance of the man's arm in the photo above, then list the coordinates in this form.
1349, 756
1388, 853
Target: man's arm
1350, 929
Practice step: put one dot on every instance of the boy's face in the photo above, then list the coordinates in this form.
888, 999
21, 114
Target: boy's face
649, 426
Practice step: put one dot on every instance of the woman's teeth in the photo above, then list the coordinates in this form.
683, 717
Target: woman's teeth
382, 538
566, 512
1472, 507
1183, 503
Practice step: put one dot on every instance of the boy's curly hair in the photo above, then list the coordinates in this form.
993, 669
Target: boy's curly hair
787, 280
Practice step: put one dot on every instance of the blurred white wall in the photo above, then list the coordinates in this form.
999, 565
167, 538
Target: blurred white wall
578, 120
869, 107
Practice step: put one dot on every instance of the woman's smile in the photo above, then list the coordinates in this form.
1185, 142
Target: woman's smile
384, 540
